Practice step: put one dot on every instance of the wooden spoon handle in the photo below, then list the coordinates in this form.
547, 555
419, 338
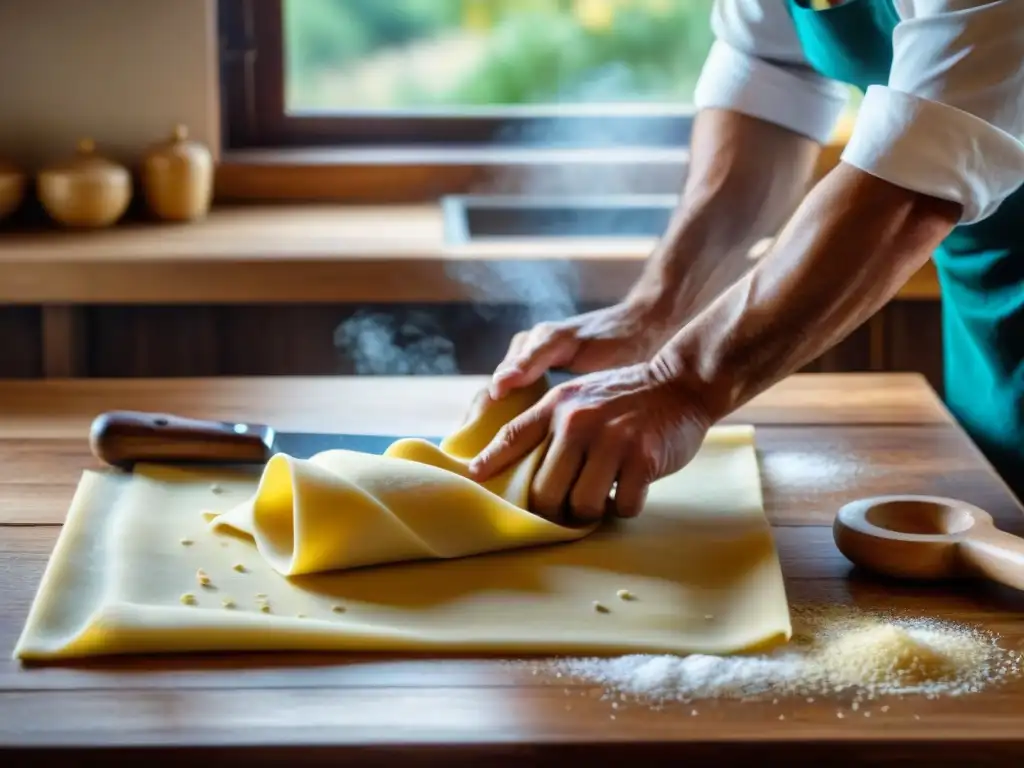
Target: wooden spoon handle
122, 438
994, 554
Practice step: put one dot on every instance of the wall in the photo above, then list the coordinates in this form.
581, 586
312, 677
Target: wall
120, 71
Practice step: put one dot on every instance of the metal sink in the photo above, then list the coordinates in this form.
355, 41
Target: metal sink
483, 218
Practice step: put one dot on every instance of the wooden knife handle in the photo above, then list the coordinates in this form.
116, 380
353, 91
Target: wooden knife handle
122, 438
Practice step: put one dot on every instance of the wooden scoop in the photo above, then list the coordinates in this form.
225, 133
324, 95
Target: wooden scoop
927, 537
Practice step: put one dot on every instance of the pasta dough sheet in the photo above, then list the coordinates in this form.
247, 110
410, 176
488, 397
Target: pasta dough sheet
343, 509
700, 562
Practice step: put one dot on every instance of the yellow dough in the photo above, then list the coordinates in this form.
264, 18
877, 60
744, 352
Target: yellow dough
342, 509
138, 569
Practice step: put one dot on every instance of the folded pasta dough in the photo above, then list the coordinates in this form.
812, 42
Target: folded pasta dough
344, 509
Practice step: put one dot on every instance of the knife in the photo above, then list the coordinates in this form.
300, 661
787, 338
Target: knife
124, 438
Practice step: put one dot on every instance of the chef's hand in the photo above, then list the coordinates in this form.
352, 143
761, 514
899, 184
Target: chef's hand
625, 427
622, 334
625, 333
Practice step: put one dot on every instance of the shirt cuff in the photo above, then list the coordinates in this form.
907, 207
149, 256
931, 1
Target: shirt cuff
937, 150
796, 98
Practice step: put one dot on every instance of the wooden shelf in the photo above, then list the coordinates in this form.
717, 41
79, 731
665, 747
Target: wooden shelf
306, 253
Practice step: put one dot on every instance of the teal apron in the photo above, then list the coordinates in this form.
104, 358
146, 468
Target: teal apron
980, 266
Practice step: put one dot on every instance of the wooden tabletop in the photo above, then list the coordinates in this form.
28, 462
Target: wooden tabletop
312, 253
822, 441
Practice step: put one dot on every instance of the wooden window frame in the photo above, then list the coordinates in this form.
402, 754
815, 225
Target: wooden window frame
254, 117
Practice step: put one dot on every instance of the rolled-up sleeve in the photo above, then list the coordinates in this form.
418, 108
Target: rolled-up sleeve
757, 67
950, 121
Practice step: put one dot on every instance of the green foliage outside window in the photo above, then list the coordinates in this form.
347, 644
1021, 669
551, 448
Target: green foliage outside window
474, 53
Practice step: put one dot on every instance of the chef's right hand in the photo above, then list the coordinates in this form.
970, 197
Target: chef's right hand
629, 332
623, 334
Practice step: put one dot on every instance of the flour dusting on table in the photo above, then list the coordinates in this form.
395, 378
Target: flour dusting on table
834, 650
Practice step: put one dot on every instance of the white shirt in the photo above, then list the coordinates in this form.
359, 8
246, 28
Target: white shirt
949, 122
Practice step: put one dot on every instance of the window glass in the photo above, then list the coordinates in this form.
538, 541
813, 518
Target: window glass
478, 55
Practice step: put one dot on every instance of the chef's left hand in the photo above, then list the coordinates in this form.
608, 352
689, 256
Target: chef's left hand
625, 427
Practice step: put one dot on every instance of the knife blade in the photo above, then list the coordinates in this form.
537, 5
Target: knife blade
124, 438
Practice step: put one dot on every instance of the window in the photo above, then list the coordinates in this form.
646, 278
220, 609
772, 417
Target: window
416, 72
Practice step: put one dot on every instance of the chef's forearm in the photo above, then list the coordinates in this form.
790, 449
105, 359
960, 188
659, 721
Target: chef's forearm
848, 249
746, 177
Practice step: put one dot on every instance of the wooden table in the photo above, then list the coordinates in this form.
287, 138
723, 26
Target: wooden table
823, 440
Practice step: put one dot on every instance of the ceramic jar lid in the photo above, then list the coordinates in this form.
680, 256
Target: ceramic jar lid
179, 147
88, 165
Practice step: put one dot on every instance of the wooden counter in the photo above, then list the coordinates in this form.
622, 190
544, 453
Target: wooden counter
309, 254
822, 441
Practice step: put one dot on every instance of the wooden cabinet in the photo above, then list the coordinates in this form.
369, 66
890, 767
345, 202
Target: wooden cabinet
21, 344
906, 336
256, 340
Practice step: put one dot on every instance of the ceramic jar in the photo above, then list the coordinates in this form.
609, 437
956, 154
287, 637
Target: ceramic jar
86, 191
177, 177
12, 189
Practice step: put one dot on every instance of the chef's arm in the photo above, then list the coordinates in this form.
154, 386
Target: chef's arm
746, 177
851, 245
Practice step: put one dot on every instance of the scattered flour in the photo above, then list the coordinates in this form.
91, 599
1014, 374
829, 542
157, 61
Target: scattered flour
676, 678
834, 650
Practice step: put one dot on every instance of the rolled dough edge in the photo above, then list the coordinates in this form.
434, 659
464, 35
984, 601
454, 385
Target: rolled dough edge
61, 563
